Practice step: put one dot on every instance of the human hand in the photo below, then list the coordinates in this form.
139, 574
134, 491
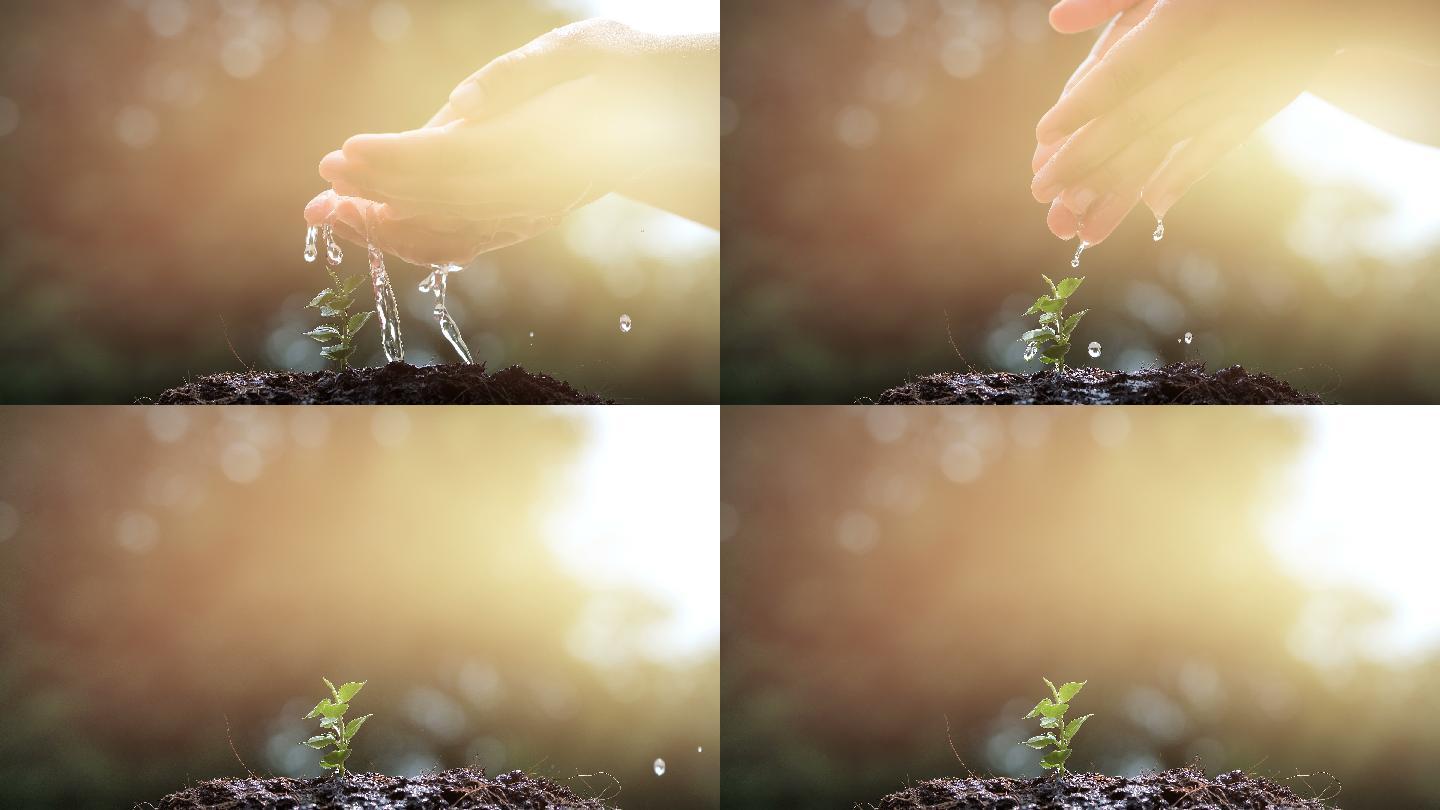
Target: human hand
1170, 88
575, 114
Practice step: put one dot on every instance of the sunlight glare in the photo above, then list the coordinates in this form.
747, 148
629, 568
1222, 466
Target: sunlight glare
1327, 145
645, 516
1360, 516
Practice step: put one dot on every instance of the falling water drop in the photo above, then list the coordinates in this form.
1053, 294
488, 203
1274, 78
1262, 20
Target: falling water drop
436, 283
310, 252
625, 323
659, 767
699, 749
1159, 229
1094, 348
333, 254
385, 306
1188, 337
1075, 262
1030, 352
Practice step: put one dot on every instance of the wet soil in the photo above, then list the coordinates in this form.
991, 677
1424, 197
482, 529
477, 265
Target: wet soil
458, 788
1175, 384
393, 384
1180, 787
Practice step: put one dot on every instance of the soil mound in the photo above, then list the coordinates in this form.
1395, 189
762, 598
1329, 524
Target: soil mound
458, 788
392, 384
1180, 787
1175, 384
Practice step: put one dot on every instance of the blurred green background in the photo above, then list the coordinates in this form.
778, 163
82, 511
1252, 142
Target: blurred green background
876, 201
174, 583
1248, 589
157, 155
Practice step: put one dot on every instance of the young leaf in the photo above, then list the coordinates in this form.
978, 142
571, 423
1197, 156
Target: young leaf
322, 741
331, 722
1070, 690
354, 726
1050, 722
1054, 709
1053, 290
1051, 304
349, 285
331, 686
319, 708
1035, 712
1074, 726
335, 759
1038, 335
324, 333
1055, 693
329, 310
334, 710
357, 320
321, 297
1068, 286
1071, 321
1039, 741
1038, 306
1056, 758
350, 690
338, 352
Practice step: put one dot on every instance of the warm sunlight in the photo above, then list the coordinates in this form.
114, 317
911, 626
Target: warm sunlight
1360, 516
1329, 146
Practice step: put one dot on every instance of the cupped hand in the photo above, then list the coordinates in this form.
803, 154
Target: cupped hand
536, 133
1169, 89
421, 240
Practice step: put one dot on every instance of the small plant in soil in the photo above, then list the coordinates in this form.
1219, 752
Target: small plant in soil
1055, 328
1051, 711
338, 733
334, 303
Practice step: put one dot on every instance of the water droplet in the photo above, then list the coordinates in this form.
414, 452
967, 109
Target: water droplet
1030, 352
1075, 262
1159, 229
333, 254
625, 323
532, 335
436, 283
659, 767
1094, 348
699, 749
1188, 337
385, 307
310, 252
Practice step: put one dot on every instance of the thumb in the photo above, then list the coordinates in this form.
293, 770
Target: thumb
1074, 16
513, 78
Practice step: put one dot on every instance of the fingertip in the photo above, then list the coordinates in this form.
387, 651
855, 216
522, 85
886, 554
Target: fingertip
1043, 153
319, 208
333, 166
468, 99
1061, 221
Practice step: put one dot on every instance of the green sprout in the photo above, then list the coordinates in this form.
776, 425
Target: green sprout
1051, 711
1055, 328
334, 303
331, 711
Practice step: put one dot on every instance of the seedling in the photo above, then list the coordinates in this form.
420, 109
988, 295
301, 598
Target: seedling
1055, 328
338, 733
1051, 711
334, 304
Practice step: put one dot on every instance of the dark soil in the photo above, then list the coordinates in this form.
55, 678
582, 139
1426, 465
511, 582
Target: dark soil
393, 384
1181, 787
458, 788
1175, 384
